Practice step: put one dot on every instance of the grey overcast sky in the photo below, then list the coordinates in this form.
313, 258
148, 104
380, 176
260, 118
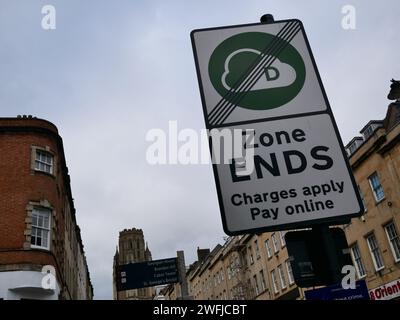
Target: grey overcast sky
112, 70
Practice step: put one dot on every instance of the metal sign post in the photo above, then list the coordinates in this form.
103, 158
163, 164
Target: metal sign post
182, 276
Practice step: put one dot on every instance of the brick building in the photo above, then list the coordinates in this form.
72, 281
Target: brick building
131, 248
37, 216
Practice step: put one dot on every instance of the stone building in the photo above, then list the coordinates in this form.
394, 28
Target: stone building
131, 249
374, 237
250, 267
39, 231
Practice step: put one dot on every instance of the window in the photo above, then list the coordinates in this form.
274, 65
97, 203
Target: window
274, 281
355, 252
268, 247
258, 256
353, 148
376, 187
282, 234
233, 269
394, 240
282, 276
368, 132
290, 272
263, 286
40, 236
362, 198
375, 252
44, 161
275, 243
256, 285
222, 275
251, 255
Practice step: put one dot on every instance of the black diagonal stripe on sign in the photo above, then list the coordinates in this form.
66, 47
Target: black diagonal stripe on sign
255, 76
256, 62
221, 120
242, 94
270, 55
222, 103
226, 100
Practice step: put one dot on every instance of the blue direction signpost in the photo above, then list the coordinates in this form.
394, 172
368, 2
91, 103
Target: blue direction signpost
337, 292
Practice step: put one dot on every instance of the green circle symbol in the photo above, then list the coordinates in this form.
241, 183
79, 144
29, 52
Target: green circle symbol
271, 86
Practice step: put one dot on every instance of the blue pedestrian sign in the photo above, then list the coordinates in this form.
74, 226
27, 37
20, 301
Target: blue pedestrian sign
337, 292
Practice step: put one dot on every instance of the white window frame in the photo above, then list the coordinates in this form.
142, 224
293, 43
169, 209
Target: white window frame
290, 272
275, 283
282, 277
38, 162
268, 247
274, 243
372, 250
353, 147
42, 212
282, 235
374, 190
368, 132
256, 285
357, 261
395, 251
258, 255
362, 198
251, 258
263, 283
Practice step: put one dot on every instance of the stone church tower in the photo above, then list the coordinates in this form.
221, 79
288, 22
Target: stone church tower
131, 249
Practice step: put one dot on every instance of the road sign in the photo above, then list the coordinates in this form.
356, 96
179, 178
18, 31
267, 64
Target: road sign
262, 79
317, 256
256, 71
147, 274
337, 292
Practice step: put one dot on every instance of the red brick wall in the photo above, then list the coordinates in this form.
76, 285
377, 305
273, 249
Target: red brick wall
19, 185
26, 257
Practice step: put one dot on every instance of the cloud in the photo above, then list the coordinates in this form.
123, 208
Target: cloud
278, 74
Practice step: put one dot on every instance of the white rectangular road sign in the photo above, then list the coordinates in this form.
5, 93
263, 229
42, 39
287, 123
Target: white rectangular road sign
263, 77
300, 174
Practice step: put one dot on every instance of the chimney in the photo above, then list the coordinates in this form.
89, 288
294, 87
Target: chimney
394, 93
202, 254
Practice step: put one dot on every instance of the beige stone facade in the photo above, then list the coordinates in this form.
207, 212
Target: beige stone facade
242, 269
374, 237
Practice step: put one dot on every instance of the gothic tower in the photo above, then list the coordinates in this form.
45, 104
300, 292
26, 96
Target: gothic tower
131, 249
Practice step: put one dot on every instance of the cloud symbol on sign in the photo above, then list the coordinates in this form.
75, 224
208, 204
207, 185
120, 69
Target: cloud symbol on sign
278, 74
